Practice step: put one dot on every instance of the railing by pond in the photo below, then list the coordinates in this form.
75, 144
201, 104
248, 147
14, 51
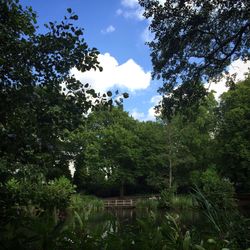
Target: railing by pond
128, 202
120, 203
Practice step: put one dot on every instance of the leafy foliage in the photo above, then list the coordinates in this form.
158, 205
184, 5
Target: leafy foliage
54, 194
110, 154
230, 227
190, 139
116, 151
40, 101
166, 196
234, 136
85, 203
196, 40
218, 191
152, 156
147, 204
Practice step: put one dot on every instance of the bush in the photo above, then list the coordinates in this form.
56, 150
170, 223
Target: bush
195, 178
226, 225
85, 202
56, 193
182, 202
166, 196
218, 191
149, 204
46, 195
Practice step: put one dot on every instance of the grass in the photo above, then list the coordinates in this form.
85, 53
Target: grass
86, 202
175, 202
148, 204
182, 202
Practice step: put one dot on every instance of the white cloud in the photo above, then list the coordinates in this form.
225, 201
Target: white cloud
130, 3
151, 113
136, 14
149, 116
137, 115
131, 9
109, 29
156, 99
128, 75
146, 35
237, 67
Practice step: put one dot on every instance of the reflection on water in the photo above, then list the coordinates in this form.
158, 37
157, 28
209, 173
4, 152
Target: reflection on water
117, 220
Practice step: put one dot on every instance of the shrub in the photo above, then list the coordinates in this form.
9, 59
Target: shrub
166, 196
228, 225
182, 202
195, 177
46, 195
149, 204
83, 202
56, 193
218, 191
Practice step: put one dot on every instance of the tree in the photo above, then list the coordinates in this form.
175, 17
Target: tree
40, 101
110, 156
186, 97
234, 135
152, 161
121, 153
190, 140
196, 40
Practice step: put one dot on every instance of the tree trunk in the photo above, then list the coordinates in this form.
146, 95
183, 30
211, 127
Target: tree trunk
170, 158
170, 174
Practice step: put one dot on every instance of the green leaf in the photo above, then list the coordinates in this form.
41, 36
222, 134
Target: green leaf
125, 95
109, 93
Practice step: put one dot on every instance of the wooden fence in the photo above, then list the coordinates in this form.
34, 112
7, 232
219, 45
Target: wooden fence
120, 203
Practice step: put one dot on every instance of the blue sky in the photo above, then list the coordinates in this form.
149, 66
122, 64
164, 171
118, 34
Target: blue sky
118, 30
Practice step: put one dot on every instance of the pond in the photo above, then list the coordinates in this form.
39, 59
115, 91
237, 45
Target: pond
124, 219
117, 229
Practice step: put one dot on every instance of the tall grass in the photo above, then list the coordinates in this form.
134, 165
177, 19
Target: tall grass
85, 203
182, 202
148, 204
229, 225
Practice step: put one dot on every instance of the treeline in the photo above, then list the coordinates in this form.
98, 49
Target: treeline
116, 152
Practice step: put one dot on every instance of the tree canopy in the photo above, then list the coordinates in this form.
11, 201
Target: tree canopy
190, 139
234, 135
40, 101
116, 152
196, 40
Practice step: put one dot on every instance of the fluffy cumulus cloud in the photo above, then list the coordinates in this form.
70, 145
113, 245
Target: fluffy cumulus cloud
128, 75
129, 3
137, 115
151, 113
149, 116
131, 9
237, 67
108, 30
156, 99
